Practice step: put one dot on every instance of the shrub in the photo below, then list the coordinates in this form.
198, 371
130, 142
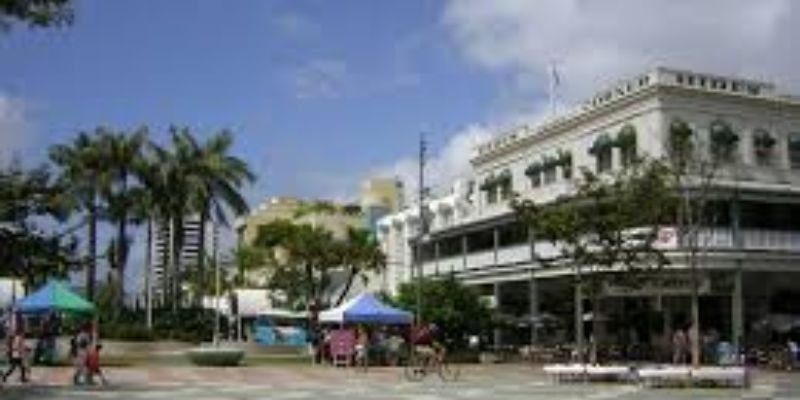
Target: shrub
214, 357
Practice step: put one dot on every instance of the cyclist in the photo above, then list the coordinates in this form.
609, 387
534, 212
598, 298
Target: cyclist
425, 340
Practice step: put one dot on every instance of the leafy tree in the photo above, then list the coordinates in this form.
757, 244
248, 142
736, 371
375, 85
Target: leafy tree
696, 164
248, 259
216, 178
300, 251
30, 199
81, 170
360, 255
609, 223
456, 309
120, 193
36, 13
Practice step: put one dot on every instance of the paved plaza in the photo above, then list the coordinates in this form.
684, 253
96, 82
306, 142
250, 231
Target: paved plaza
305, 382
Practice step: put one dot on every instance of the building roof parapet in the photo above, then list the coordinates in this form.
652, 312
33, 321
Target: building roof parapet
626, 89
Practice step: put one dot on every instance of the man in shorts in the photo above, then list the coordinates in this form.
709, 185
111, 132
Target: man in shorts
426, 343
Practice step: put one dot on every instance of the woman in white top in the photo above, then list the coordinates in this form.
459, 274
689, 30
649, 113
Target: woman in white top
17, 353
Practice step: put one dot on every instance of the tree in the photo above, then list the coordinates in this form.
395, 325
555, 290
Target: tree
301, 251
216, 178
695, 166
82, 173
36, 13
360, 255
29, 200
248, 259
458, 310
122, 155
609, 225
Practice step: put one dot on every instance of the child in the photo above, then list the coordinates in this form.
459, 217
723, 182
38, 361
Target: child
17, 354
93, 365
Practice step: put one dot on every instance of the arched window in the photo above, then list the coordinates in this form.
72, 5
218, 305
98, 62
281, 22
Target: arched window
602, 151
763, 147
724, 141
534, 173
626, 141
793, 146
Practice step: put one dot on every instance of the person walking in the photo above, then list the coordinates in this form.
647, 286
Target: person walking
680, 344
17, 353
93, 365
79, 350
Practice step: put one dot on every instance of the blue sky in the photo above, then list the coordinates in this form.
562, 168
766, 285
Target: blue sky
316, 93
322, 94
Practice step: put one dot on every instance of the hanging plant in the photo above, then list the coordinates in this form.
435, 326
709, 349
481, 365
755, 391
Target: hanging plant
722, 134
549, 162
763, 140
565, 161
488, 183
626, 138
503, 178
535, 168
680, 141
564, 158
600, 144
723, 139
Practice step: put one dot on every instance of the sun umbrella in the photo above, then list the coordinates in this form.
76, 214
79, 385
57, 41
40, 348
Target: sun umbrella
54, 296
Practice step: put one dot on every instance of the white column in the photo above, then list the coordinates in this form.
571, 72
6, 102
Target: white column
737, 310
533, 298
498, 334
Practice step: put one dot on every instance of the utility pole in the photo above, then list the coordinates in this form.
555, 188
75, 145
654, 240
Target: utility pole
422, 225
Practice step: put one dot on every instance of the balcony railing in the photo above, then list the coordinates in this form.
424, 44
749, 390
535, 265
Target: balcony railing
751, 239
711, 239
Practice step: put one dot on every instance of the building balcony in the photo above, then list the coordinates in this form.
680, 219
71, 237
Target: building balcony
751, 240
714, 239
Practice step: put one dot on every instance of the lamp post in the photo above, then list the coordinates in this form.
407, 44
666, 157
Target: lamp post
422, 227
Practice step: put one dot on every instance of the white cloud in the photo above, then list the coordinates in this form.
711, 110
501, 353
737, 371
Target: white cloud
443, 166
295, 25
14, 126
594, 42
322, 78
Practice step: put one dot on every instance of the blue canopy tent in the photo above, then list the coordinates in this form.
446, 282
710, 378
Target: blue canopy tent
365, 308
53, 296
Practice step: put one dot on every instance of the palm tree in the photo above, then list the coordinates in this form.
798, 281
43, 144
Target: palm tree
216, 179
171, 180
361, 254
122, 154
81, 170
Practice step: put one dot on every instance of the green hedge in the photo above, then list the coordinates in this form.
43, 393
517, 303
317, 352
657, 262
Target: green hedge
212, 357
193, 325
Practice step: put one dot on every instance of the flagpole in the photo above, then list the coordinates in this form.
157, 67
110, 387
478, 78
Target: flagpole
555, 80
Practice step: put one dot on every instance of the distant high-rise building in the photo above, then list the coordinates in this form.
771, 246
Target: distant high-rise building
190, 253
380, 197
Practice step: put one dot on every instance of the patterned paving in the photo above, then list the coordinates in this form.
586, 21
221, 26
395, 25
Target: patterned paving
298, 383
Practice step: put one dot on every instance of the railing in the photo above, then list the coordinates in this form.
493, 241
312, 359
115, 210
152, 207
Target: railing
712, 239
480, 260
752, 239
513, 254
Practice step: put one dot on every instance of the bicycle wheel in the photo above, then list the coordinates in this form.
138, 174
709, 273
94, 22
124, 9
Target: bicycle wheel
415, 370
449, 372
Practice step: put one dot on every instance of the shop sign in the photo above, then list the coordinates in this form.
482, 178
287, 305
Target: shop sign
678, 285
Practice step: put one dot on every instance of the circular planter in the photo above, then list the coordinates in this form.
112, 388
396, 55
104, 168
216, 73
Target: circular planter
215, 356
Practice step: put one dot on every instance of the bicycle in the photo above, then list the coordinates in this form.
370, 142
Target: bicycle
422, 364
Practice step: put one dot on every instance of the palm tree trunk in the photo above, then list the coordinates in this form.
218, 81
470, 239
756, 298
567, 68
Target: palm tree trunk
349, 283
201, 252
91, 266
148, 279
119, 271
177, 272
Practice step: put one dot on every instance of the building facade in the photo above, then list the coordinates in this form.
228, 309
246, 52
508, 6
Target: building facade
750, 261
161, 249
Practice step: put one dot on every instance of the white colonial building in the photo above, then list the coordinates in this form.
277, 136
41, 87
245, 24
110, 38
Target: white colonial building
751, 259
